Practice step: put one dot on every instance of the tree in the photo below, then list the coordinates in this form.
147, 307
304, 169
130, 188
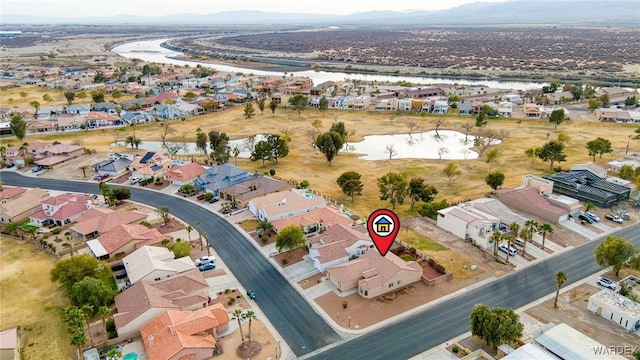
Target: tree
180, 249
114, 353
104, 312
323, 104
556, 117
273, 106
166, 131
70, 271
341, 129
121, 193
249, 111
451, 170
481, 120
18, 127
631, 100
552, 151
329, 144
70, 96
615, 252
467, 129
219, 145
261, 151
298, 102
626, 172
563, 137
264, 226
599, 146
350, 184
201, 141
494, 180
237, 315
261, 101
530, 227
419, 191
394, 187
278, 147
496, 327
92, 292
545, 229
576, 91
84, 168
133, 141
289, 238
35, 104
99, 77
561, 278
492, 157
75, 320
107, 193
605, 100
164, 213
594, 104
249, 315
532, 153
391, 150
496, 239
97, 96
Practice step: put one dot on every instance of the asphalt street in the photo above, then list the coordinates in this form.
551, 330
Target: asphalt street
305, 331
302, 328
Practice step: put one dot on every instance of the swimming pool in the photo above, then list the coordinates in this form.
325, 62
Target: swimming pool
309, 196
178, 162
130, 356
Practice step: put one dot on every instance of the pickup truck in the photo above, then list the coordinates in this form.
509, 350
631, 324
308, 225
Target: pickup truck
614, 218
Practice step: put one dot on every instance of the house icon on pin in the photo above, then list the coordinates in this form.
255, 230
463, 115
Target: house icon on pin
383, 225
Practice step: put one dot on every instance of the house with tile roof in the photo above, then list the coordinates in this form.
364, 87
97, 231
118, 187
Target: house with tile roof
314, 220
97, 119
97, 221
184, 174
252, 188
22, 206
125, 239
219, 177
177, 335
337, 245
151, 164
532, 201
9, 193
14, 155
469, 223
62, 209
375, 275
147, 299
57, 154
154, 263
283, 204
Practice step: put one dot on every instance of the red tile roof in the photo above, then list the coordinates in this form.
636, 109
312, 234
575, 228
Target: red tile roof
9, 193
102, 220
185, 172
123, 234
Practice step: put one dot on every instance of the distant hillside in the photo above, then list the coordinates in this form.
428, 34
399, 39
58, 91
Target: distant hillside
604, 12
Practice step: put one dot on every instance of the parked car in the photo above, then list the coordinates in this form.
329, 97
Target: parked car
593, 216
135, 180
206, 267
508, 249
201, 196
585, 218
614, 218
205, 260
213, 200
9, 166
100, 177
36, 169
606, 283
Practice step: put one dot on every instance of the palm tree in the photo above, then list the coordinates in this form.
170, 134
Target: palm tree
87, 310
264, 226
104, 311
189, 230
204, 235
238, 315
249, 315
531, 226
525, 234
78, 339
84, 170
561, 278
496, 237
515, 227
509, 238
114, 353
23, 150
69, 244
545, 229
130, 140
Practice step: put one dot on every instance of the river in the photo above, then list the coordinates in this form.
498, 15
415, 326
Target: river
151, 51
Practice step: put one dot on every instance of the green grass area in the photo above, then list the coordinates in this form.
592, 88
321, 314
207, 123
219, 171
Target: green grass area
421, 243
26, 227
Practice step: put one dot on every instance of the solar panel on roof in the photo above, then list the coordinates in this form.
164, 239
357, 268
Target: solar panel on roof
146, 157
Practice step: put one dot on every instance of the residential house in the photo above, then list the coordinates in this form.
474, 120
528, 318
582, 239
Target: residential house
154, 263
532, 110
505, 109
545, 187
617, 164
10, 343
137, 117
46, 112
70, 122
405, 104
107, 107
78, 109
124, 239
219, 177
163, 111
283, 204
468, 223
465, 108
532, 201
112, 167
145, 300
314, 220
617, 308
387, 104
440, 107
57, 154
177, 335
9, 193
184, 174
40, 126
162, 97
62, 209
97, 221
560, 97
97, 119
150, 165
20, 207
136, 104
512, 98
187, 109
498, 209
375, 275
337, 245
252, 188
587, 187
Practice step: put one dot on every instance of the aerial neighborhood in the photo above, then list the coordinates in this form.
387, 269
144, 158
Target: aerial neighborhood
162, 211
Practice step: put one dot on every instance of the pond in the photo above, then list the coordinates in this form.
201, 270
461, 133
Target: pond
449, 145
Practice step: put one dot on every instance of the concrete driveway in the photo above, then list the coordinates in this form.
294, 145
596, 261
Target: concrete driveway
579, 229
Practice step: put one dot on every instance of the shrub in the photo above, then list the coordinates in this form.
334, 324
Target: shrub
304, 184
264, 239
227, 291
285, 261
146, 223
56, 231
398, 250
345, 303
231, 301
412, 250
439, 268
272, 172
455, 349
406, 258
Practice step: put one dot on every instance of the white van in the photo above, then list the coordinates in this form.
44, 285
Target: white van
520, 241
507, 249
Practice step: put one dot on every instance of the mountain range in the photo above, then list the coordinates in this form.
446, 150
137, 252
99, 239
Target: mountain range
530, 12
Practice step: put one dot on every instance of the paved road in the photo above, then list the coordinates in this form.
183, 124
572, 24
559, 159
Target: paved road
445, 321
298, 323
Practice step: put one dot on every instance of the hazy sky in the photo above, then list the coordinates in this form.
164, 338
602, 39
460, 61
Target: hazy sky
107, 8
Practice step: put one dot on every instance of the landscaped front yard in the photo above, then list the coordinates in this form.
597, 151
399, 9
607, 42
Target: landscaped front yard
31, 300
